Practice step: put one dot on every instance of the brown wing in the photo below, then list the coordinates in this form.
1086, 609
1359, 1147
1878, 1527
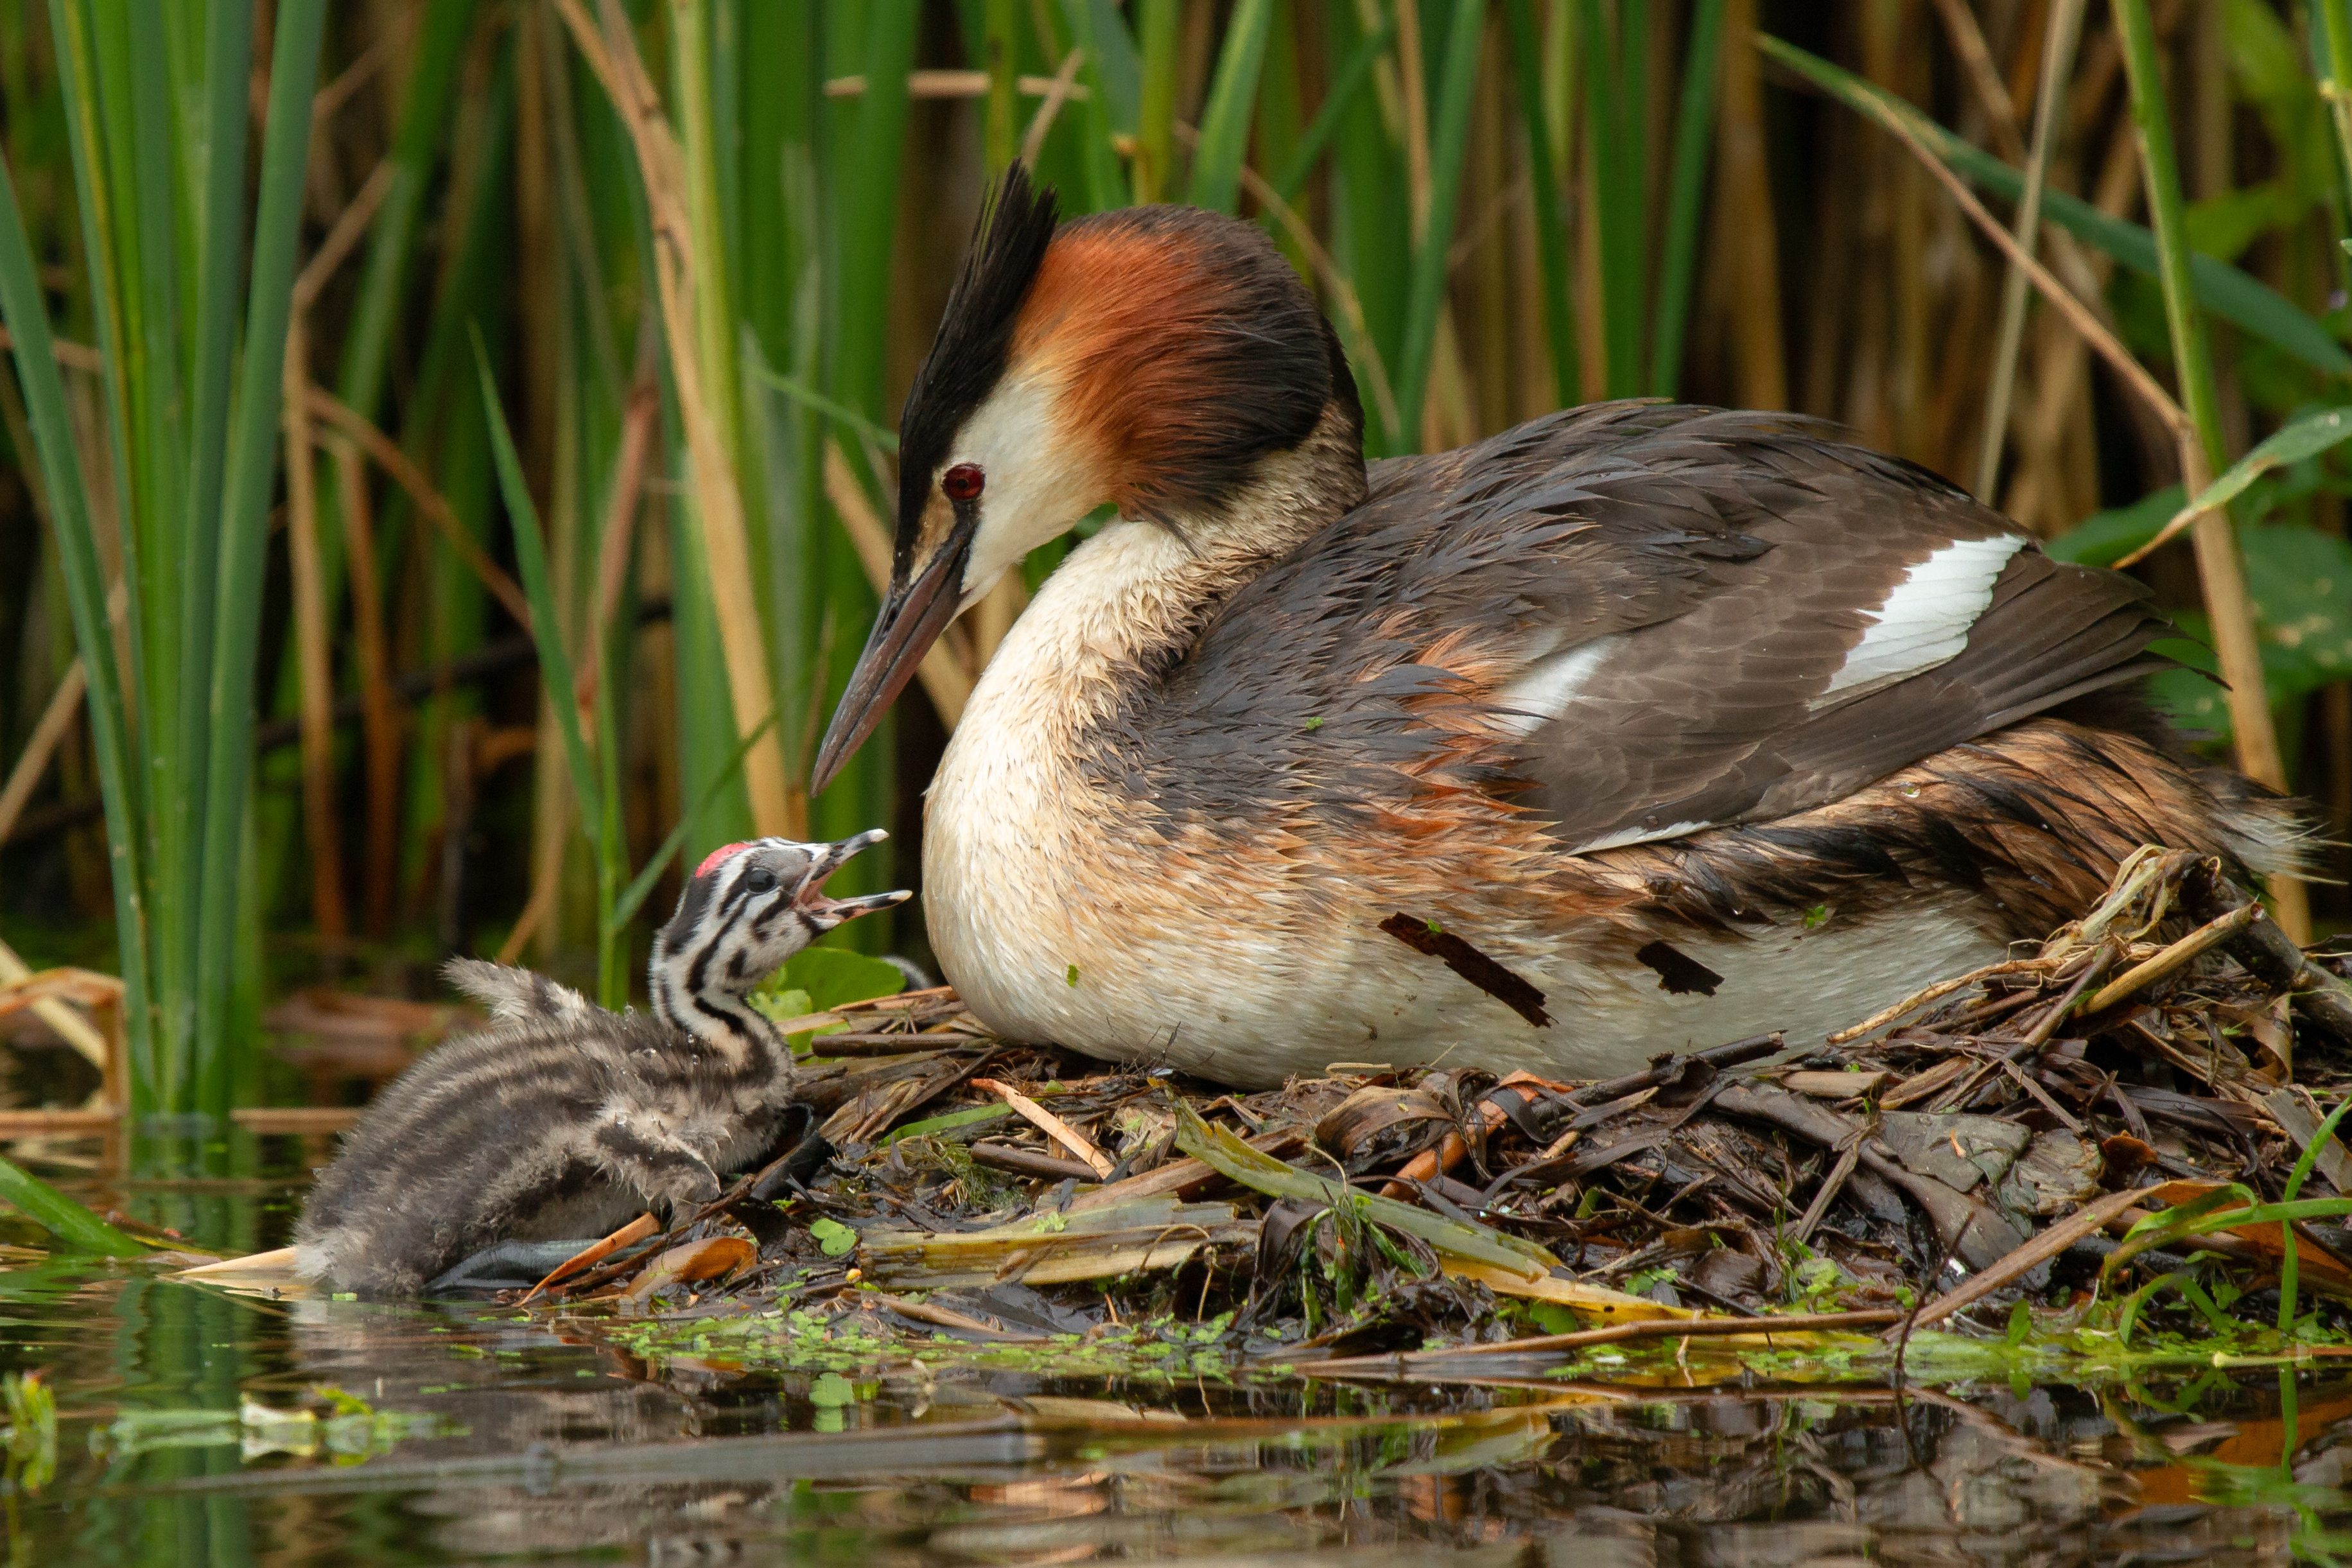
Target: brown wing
1654, 619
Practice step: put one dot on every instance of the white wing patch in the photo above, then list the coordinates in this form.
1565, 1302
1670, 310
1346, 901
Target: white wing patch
1550, 685
1926, 619
1625, 836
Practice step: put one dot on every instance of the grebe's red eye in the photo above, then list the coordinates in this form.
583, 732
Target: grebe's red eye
963, 482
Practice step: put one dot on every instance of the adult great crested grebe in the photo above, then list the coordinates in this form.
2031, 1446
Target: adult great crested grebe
562, 1119
1703, 722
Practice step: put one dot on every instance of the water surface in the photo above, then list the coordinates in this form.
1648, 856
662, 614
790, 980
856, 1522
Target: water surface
198, 1427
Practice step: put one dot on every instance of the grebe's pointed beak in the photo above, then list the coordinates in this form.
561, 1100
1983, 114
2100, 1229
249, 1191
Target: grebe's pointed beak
914, 613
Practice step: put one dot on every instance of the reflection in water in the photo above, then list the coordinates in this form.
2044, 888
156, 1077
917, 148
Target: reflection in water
505, 1442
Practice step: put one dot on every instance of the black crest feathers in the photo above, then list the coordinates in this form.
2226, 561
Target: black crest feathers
1008, 244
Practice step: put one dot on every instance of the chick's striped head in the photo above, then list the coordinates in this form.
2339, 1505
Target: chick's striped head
747, 908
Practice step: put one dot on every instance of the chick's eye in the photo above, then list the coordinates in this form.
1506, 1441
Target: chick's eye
760, 879
963, 482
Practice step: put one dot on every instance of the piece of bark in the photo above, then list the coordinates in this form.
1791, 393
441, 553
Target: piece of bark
2268, 954
1029, 1162
1188, 1178
1668, 1070
1834, 1085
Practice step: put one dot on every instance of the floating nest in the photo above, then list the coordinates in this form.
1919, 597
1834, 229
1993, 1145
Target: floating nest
2123, 1128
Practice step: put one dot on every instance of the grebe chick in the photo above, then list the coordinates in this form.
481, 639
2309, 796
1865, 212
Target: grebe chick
560, 1119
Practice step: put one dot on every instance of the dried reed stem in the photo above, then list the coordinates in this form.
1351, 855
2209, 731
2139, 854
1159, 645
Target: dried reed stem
321, 828
2065, 31
56, 722
1744, 224
380, 710
427, 500
612, 55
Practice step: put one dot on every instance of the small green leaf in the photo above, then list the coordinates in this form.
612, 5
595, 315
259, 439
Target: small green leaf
832, 1391
1435, 930
2306, 438
1816, 916
2021, 1323
819, 978
1052, 1223
834, 976
1553, 1318
781, 1004
835, 1237
1316, 723
949, 1123
1072, 974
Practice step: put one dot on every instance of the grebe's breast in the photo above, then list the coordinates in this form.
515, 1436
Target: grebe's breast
1623, 674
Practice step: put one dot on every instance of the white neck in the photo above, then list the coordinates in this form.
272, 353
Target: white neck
1014, 872
1135, 595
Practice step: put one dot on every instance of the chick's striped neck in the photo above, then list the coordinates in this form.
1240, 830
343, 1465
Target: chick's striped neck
696, 991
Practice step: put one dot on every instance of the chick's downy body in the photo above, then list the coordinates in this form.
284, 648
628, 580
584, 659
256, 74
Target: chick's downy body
562, 1119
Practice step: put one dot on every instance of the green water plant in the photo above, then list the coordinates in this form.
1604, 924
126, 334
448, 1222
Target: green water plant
30, 1438
76, 1228
190, 339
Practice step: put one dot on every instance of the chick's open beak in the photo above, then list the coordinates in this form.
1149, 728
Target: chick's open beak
913, 615
831, 857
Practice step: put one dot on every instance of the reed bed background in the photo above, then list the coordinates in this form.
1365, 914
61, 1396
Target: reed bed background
591, 318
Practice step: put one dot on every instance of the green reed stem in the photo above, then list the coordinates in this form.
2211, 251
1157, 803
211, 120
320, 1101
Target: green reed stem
1155, 130
1001, 58
1449, 139
24, 309
1554, 267
392, 236
1337, 102
1233, 93
1615, 88
245, 519
1686, 194
555, 672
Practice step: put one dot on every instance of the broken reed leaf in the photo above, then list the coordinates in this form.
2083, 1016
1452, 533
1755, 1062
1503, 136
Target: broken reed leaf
1086, 1244
629, 1235
707, 1260
1516, 1092
1053, 1126
2173, 959
1185, 1178
1487, 975
72, 1224
1379, 1123
1598, 1300
1794, 1326
1679, 973
1221, 1150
